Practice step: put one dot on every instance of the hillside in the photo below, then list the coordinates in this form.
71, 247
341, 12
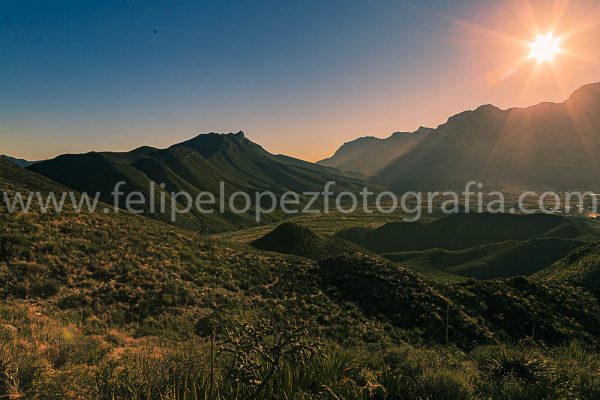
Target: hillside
369, 155
197, 165
581, 268
544, 146
103, 304
113, 267
16, 179
127, 272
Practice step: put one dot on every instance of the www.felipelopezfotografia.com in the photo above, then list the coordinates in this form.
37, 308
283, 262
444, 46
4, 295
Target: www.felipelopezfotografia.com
411, 204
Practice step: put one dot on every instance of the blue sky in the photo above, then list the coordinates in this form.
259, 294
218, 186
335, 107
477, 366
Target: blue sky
299, 77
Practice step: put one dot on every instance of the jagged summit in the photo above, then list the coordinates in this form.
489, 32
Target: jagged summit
209, 144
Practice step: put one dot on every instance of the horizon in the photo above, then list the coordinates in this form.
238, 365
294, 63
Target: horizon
83, 77
248, 135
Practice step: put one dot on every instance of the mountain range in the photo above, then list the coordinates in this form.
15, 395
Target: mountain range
196, 165
549, 145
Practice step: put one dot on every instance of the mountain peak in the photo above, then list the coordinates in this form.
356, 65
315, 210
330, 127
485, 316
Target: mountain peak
396, 134
488, 107
590, 91
209, 144
423, 129
237, 135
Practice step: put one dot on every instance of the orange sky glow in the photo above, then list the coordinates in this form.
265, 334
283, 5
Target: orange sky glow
481, 58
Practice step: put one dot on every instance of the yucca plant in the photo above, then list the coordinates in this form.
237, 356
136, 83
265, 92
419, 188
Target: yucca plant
521, 362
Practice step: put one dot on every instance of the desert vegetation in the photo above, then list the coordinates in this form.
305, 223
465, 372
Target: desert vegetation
119, 306
45, 359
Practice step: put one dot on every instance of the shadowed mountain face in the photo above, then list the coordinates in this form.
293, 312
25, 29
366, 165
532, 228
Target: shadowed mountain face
197, 165
552, 146
368, 155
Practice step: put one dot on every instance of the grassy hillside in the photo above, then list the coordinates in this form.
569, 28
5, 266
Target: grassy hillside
580, 268
15, 179
481, 246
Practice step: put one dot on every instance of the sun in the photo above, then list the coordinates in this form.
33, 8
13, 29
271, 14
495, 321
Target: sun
545, 47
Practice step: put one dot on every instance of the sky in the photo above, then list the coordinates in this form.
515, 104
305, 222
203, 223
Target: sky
299, 77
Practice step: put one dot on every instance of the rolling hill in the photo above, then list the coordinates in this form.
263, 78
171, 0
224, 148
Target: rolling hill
118, 267
369, 155
545, 146
194, 166
482, 246
492, 260
17, 179
294, 239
